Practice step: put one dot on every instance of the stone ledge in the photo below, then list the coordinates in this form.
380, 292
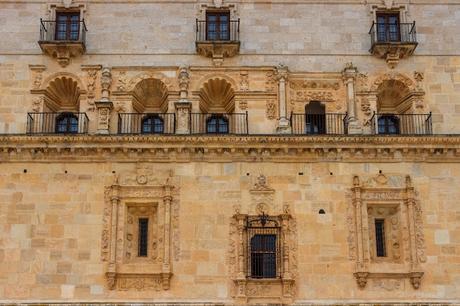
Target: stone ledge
177, 148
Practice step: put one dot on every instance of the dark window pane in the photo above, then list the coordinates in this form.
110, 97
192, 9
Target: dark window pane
143, 236
380, 237
263, 256
152, 124
67, 123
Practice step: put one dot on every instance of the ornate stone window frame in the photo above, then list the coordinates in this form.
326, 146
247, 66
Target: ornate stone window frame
63, 51
124, 271
392, 53
266, 290
217, 50
386, 191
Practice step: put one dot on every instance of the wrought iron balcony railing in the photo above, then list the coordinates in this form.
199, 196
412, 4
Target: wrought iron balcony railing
218, 32
219, 123
63, 31
401, 124
328, 123
149, 123
57, 123
393, 33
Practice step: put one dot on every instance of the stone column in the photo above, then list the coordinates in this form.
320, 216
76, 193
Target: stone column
373, 123
349, 77
104, 106
283, 121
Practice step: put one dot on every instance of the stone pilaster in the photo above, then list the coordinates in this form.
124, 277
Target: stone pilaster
183, 110
104, 106
284, 126
349, 76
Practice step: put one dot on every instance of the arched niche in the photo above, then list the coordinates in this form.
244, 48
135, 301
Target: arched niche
217, 95
62, 94
393, 96
150, 95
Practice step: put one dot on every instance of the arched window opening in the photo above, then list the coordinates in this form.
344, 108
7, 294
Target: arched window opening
67, 123
217, 124
152, 124
388, 124
315, 118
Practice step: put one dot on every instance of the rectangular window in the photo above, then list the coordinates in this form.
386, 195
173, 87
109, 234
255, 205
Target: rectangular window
388, 27
67, 25
218, 26
143, 236
263, 256
380, 237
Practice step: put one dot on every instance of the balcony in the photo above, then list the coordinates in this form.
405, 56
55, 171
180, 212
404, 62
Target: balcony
319, 124
63, 39
151, 123
401, 124
57, 123
218, 40
219, 123
393, 41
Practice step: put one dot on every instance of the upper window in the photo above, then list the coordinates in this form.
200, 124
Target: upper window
217, 124
152, 124
67, 25
67, 123
218, 25
380, 237
388, 27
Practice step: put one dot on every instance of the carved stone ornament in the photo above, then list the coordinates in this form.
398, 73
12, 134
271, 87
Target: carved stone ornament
270, 81
270, 110
37, 104
37, 75
244, 81
184, 80
245, 289
304, 91
121, 81
392, 199
131, 196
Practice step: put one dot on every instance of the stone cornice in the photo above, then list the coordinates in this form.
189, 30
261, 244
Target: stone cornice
268, 148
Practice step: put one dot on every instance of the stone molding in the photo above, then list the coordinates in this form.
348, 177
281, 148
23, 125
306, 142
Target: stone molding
230, 148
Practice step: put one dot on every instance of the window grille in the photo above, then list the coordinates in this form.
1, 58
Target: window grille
143, 236
264, 247
380, 237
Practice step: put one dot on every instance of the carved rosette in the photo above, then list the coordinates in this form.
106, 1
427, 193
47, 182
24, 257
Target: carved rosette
391, 198
133, 195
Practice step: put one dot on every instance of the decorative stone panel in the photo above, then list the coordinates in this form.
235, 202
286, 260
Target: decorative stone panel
392, 199
131, 196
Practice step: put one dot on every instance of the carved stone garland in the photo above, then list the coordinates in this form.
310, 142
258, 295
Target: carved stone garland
131, 196
273, 290
406, 242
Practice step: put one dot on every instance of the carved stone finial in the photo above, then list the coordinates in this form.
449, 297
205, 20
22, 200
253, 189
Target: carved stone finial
67, 3
356, 181
184, 80
218, 3
408, 181
106, 82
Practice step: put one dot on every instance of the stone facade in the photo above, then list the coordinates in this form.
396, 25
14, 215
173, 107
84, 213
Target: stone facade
69, 203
